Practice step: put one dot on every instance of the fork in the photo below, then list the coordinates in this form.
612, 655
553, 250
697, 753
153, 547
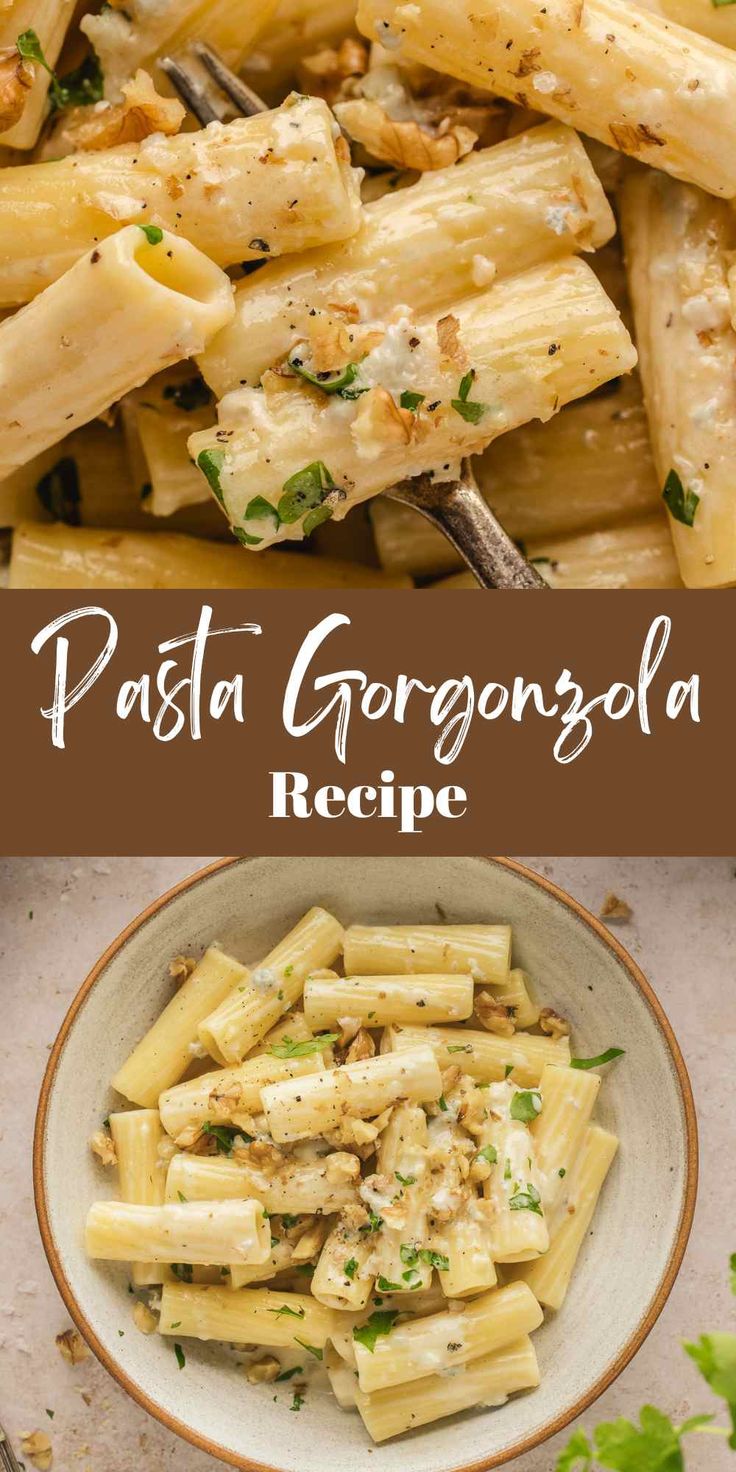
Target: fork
8, 1460
455, 507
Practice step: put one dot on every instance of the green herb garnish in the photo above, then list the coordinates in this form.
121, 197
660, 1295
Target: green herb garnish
338, 382
405, 1180
290, 1048
350, 1268
528, 1200
373, 1224
284, 1312
411, 400
305, 491
375, 1327
526, 1105
606, 1057
210, 463
223, 1135
153, 233
384, 1286
489, 1153
680, 503
297, 1402
180, 1356
310, 1348
465, 407
289, 1374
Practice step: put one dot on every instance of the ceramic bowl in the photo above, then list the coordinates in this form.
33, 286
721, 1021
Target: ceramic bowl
628, 1264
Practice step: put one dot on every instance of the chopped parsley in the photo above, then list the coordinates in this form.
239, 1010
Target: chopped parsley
350, 1268
411, 400
529, 1200
411, 1255
405, 1180
181, 1195
464, 406
508, 1070
338, 382
258, 509
680, 503
288, 970
459, 1047
297, 1402
442, 1103
58, 491
290, 1048
288, 1220
153, 233
489, 1153
83, 85
180, 1356
411, 1276
384, 1286
310, 1348
304, 493
223, 1135
606, 1057
373, 1224
289, 1374
374, 1328
210, 463
284, 1312
526, 1105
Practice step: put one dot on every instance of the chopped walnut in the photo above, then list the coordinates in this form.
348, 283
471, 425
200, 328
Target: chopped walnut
181, 968
553, 1024
494, 1016
615, 909
16, 77
450, 1077
448, 337
263, 1371
266, 1155
361, 1047
405, 145
341, 1167
222, 1102
480, 1170
380, 422
71, 1347
311, 1240
142, 112
36, 1445
330, 345
191, 1137
325, 73
144, 1319
446, 1203
352, 1218
103, 1146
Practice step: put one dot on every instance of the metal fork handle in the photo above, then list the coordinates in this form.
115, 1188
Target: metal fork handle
8, 1460
461, 513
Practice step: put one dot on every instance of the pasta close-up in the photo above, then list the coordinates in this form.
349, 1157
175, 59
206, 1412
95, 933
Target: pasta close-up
382, 1175
368, 295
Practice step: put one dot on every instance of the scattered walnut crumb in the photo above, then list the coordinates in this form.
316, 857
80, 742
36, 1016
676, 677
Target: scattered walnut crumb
266, 1155
325, 73
405, 145
223, 1102
181, 968
341, 1167
614, 908
16, 77
450, 1076
361, 1047
349, 1029
448, 337
494, 1016
103, 1146
553, 1024
36, 1445
144, 1319
480, 1170
379, 421
263, 1371
71, 1347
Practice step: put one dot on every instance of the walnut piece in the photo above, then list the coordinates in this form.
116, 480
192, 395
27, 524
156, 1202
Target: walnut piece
144, 1319
263, 1371
404, 145
223, 1102
16, 77
614, 908
553, 1024
361, 1047
71, 1347
448, 338
311, 1240
181, 968
103, 1146
36, 1445
87, 129
341, 1167
494, 1016
380, 422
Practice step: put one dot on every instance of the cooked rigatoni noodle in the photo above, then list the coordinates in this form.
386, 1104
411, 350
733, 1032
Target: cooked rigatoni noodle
402, 1162
158, 418
637, 556
707, 17
225, 1095
518, 1227
273, 987
167, 1049
589, 467
302, 1108
286, 459
515, 995
379, 1000
245, 1316
568, 1097
62, 556
483, 1055
206, 1232
238, 191
138, 35
500, 211
549, 1277
655, 90
488, 1380
141, 1172
386, 950
343, 1381
131, 305
295, 1187
680, 249
459, 1223
343, 1277
50, 19
278, 1261
299, 28
444, 1340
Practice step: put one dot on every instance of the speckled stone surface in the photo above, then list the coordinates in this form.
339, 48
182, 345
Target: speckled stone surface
56, 916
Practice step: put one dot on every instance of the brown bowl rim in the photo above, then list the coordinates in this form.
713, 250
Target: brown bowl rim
527, 1443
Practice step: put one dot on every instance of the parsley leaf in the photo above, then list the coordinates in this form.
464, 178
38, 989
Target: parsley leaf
602, 1058
526, 1105
465, 407
434, 1259
680, 503
409, 1254
210, 463
577, 1456
297, 1402
489, 1153
385, 1287
338, 382
310, 1348
304, 491
715, 1357
180, 1356
411, 400
732, 1265
223, 1135
405, 1180
80, 87
289, 1048
350, 1268
528, 1200
284, 1312
289, 1374
373, 1224
375, 1327
153, 233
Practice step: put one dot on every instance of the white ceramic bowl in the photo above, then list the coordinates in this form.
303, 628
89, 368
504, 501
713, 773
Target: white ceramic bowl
625, 1272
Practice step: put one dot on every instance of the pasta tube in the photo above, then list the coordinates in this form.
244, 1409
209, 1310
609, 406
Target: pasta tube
298, 1186
402, 1161
196, 1232
287, 459
223, 1096
168, 1047
513, 1188
244, 1316
483, 951
503, 210
301, 1108
568, 1097
679, 250
637, 556
379, 1000
549, 1277
655, 90
343, 1277
82, 557
141, 1172
157, 420
703, 16
274, 986
50, 19
444, 1340
483, 1055
278, 1261
238, 191
138, 300
141, 33
489, 1380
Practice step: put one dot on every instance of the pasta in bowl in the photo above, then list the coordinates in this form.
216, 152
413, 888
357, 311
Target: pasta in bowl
367, 1162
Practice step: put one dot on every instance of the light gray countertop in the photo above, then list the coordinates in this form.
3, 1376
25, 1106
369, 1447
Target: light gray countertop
57, 915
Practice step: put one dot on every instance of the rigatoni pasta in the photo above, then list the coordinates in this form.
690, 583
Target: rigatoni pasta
398, 1203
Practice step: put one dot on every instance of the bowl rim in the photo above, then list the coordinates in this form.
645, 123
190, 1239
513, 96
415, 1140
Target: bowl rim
526, 1443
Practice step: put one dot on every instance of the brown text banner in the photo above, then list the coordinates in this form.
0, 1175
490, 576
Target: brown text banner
293, 723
